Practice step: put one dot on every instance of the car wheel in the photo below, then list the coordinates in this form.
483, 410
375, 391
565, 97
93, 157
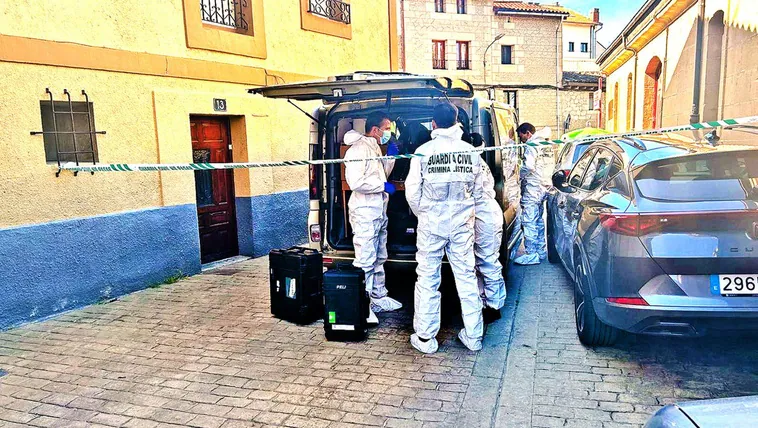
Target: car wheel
552, 252
589, 328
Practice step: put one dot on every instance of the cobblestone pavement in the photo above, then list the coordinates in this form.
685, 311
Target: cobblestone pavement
206, 352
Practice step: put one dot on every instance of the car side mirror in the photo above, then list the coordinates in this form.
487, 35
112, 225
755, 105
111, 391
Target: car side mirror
559, 181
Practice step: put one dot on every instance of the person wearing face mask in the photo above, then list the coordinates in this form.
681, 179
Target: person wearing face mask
532, 199
368, 205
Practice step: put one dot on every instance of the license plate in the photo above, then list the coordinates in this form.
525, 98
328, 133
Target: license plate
735, 285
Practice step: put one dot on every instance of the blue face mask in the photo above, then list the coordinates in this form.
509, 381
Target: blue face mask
386, 136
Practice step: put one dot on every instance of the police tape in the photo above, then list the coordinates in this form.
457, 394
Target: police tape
128, 167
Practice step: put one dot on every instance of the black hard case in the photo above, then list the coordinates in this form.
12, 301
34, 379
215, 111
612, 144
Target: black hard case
346, 304
303, 268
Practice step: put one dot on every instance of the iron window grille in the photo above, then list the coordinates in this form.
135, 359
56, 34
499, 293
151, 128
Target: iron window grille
331, 9
439, 6
464, 64
225, 13
68, 130
463, 56
439, 64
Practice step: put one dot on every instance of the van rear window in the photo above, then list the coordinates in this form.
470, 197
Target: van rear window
722, 176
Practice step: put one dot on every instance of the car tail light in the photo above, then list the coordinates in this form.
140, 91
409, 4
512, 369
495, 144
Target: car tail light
315, 233
644, 224
634, 301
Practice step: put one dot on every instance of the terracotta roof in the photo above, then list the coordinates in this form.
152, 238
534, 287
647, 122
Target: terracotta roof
574, 16
523, 7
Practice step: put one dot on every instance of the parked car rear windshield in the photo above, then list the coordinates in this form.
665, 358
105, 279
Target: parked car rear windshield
722, 176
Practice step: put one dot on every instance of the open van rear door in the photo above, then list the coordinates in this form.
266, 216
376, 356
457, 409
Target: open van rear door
506, 160
368, 86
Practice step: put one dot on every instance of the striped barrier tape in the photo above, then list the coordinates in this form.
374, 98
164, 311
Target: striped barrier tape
125, 167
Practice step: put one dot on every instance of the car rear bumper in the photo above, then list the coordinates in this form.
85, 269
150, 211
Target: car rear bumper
675, 320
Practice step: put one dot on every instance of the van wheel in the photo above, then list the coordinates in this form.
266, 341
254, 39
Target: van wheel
552, 251
589, 328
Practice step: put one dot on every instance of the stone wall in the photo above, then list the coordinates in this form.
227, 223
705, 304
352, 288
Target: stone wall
577, 103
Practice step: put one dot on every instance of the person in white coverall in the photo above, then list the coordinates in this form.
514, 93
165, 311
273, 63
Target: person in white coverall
533, 194
440, 190
368, 206
488, 238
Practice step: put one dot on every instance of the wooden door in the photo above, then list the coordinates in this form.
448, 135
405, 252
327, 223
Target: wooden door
214, 189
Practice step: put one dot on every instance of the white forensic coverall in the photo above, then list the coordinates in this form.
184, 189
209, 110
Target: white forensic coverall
488, 238
368, 209
440, 191
533, 193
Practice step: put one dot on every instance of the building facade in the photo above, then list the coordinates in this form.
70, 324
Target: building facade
510, 51
580, 45
662, 71
158, 82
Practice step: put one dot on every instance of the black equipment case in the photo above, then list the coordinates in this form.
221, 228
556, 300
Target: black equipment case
296, 276
346, 304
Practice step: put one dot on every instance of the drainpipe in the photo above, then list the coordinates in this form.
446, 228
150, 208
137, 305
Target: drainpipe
634, 81
558, 77
695, 116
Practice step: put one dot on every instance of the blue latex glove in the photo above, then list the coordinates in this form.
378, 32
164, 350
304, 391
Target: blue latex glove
389, 188
393, 150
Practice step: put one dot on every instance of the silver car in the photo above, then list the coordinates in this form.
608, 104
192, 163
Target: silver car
660, 237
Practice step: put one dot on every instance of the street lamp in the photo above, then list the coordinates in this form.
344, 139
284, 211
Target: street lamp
498, 37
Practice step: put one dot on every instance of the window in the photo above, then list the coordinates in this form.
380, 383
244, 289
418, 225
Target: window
68, 131
463, 58
230, 26
461, 6
602, 167
585, 47
234, 14
506, 54
577, 173
592, 101
331, 9
511, 98
571, 46
439, 6
438, 55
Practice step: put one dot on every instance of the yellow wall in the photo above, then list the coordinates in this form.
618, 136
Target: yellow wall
145, 115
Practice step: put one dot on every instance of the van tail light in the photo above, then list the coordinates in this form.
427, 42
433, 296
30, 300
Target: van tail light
315, 233
314, 182
634, 301
327, 261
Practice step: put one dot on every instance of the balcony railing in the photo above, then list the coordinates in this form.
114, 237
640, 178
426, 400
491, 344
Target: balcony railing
226, 13
439, 64
331, 9
464, 64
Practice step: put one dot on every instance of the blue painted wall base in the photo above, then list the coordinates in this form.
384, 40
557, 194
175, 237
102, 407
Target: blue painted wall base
54, 267
279, 220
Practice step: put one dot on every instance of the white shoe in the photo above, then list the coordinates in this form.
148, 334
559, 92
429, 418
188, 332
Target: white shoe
428, 347
372, 320
527, 260
385, 304
472, 344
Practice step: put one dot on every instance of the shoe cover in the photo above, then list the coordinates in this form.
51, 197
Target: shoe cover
428, 347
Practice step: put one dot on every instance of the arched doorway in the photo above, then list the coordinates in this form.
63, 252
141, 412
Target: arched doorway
652, 107
714, 54
629, 98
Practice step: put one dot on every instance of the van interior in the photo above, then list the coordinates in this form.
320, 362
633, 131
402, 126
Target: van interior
412, 127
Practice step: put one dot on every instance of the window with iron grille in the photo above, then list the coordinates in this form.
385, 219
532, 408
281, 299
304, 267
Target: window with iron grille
463, 56
506, 54
438, 55
461, 6
332, 9
233, 14
68, 130
439, 6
